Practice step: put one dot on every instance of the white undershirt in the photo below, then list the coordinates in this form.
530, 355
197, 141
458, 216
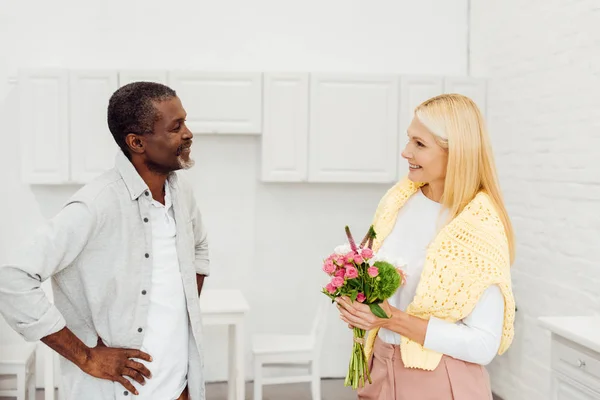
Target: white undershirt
476, 338
166, 336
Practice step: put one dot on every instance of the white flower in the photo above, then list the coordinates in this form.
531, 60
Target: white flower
343, 249
378, 257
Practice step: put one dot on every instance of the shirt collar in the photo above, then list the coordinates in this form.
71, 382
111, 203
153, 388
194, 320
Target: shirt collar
168, 199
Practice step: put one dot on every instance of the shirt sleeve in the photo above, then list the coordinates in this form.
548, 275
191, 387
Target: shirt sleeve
476, 338
202, 260
23, 302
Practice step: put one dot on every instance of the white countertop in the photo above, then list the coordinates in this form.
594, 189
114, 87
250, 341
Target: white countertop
581, 330
222, 301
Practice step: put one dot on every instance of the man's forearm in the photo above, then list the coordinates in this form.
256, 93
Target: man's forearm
200, 282
65, 343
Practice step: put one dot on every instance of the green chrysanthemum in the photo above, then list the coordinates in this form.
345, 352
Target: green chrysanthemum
387, 282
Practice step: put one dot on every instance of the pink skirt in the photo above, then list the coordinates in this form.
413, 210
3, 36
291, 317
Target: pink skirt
452, 380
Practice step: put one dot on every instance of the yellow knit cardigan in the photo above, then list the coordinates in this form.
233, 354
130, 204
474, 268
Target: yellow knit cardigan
467, 256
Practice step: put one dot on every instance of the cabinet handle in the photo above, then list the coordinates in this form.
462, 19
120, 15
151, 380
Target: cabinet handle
581, 363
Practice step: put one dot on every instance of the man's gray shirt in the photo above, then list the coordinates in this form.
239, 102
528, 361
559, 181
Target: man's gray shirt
98, 252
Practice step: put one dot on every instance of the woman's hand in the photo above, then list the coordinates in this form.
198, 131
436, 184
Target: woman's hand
359, 315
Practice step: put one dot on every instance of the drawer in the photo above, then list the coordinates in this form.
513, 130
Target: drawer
576, 362
564, 388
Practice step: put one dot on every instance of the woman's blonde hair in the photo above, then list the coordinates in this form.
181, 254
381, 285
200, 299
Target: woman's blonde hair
458, 126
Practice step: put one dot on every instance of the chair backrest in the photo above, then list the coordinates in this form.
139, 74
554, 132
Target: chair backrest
320, 324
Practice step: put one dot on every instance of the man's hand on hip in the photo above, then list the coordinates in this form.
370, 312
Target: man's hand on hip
101, 361
114, 364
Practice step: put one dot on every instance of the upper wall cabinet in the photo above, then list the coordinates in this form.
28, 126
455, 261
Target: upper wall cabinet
93, 148
44, 125
220, 102
474, 88
129, 76
285, 130
314, 127
353, 134
413, 91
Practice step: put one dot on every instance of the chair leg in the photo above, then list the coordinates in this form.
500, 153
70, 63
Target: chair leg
257, 380
21, 385
31, 388
315, 384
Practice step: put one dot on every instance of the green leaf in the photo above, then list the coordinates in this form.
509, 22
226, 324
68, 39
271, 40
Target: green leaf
378, 311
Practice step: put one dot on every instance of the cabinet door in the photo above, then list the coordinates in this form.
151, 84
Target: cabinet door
93, 148
129, 76
285, 130
220, 102
564, 388
413, 91
474, 88
353, 134
44, 126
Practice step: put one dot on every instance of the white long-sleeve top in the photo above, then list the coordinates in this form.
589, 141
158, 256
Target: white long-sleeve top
477, 337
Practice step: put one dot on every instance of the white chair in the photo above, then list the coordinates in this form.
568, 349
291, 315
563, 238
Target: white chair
17, 365
291, 351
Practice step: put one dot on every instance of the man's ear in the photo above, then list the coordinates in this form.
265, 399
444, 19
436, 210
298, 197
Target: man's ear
135, 143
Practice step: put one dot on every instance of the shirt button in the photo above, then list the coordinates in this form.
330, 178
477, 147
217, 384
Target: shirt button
125, 393
143, 292
140, 330
147, 255
147, 193
145, 219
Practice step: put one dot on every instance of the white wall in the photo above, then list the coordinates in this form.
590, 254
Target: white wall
542, 58
267, 239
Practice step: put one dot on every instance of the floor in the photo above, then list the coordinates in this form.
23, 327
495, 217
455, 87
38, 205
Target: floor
332, 389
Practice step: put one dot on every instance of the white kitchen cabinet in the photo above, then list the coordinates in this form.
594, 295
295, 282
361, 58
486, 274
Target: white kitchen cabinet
564, 388
575, 360
285, 127
220, 103
93, 148
44, 125
353, 130
474, 88
316, 127
413, 91
129, 76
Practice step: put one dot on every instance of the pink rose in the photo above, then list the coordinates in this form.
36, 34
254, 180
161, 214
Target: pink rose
348, 258
339, 260
351, 273
359, 259
337, 282
340, 273
360, 297
330, 288
366, 253
329, 267
373, 272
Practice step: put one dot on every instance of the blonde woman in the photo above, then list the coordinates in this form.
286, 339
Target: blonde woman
448, 222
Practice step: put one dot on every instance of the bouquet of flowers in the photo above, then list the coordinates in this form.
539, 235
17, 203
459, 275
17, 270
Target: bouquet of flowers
356, 272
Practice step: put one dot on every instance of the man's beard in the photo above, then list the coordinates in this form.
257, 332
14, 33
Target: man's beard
166, 170
185, 164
